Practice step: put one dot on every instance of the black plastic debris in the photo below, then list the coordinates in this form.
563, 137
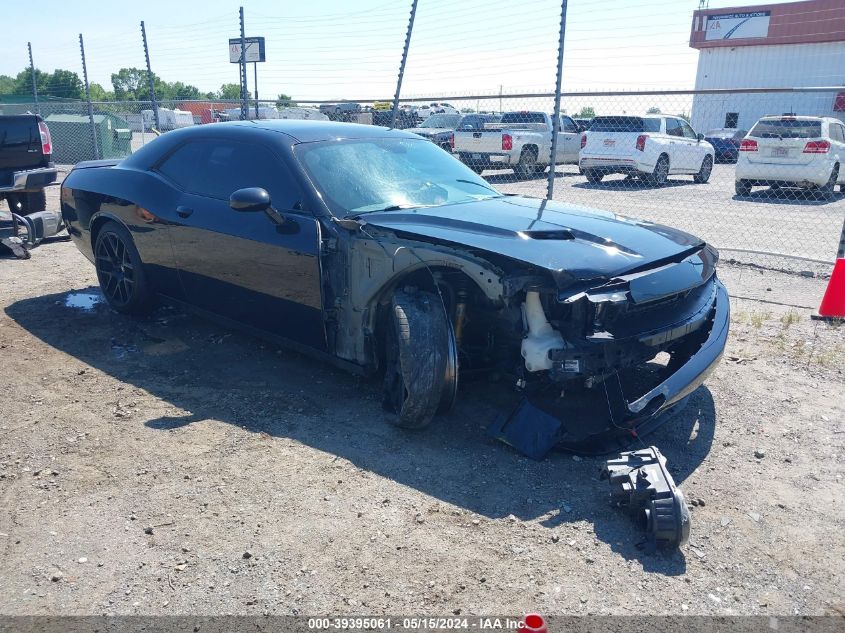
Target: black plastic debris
640, 483
528, 429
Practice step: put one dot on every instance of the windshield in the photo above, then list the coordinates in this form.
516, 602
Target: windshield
624, 124
442, 120
787, 128
357, 176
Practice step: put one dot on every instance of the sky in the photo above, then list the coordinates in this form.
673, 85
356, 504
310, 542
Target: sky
335, 49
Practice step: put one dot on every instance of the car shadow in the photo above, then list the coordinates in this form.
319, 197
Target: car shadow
510, 178
628, 184
209, 372
786, 195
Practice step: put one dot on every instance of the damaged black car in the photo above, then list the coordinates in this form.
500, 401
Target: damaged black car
379, 251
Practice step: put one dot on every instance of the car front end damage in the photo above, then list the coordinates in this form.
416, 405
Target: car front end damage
604, 357
608, 361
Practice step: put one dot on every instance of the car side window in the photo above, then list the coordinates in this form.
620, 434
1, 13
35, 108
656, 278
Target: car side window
181, 166
688, 131
837, 132
217, 168
568, 125
673, 127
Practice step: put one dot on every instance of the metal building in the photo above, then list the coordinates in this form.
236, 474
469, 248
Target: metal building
796, 44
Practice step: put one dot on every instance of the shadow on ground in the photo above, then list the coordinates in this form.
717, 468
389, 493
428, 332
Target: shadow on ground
211, 373
787, 195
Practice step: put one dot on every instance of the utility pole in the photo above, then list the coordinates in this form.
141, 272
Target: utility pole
34, 85
88, 98
150, 79
244, 94
500, 98
255, 81
402, 64
556, 121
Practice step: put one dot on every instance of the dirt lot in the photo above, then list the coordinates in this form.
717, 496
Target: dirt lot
169, 466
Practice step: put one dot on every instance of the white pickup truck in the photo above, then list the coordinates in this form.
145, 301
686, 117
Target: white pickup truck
520, 141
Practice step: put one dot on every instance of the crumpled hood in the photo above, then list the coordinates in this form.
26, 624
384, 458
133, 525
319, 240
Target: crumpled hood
574, 243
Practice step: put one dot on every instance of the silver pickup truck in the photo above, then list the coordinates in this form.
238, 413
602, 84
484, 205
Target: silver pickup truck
521, 141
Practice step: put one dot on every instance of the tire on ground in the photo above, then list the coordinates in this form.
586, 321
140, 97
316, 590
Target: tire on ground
592, 176
704, 172
416, 358
527, 163
141, 297
661, 171
742, 188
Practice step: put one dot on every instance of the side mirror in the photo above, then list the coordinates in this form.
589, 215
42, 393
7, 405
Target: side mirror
250, 199
700, 136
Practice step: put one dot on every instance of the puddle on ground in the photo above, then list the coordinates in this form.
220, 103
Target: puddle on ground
83, 300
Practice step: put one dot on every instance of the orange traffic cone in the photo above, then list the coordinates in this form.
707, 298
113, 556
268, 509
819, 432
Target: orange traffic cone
534, 623
833, 303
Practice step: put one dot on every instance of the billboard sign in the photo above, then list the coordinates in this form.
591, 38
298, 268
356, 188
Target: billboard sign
254, 49
737, 26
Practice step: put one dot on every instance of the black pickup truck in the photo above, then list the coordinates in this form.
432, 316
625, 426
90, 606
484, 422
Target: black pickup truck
25, 162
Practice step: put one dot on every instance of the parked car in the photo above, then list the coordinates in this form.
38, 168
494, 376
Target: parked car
26, 165
793, 151
438, 129
725, 142
426, 111
339, 108
521, 141
649, 147
377, 251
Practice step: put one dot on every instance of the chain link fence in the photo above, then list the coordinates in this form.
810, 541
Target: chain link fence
755, 172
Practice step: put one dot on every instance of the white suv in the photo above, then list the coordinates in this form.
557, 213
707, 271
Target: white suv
793, 151
651, 147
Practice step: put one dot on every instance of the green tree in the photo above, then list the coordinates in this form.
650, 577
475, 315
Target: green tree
65, 84
468, 110
653, 110
229, 92
98, 93
684, 116
7, 85
179, 90
587, 112
285, 101
132, 84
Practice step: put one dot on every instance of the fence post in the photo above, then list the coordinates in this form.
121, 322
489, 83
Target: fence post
150, 79
242, 66
556, 122
88, 99
402, 64
34, 85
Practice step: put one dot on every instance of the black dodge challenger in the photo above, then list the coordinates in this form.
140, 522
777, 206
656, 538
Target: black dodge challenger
381, 252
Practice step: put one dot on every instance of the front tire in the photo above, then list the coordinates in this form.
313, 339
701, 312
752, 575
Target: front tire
416, 358
120, 271
742, 188
703, 174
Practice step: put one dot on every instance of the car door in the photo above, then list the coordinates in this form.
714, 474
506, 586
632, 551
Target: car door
679, 159
695, 149
569, 142
243, 266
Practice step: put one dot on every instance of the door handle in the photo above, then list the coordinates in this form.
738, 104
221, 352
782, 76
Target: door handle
183, 212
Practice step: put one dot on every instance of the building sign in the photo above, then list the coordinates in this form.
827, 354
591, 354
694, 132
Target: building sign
254, 49
737, 26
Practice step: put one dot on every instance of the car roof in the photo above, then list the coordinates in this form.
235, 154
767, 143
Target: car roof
803, 117
304, 131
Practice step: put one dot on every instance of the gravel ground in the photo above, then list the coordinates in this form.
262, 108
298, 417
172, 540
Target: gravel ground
170, 466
